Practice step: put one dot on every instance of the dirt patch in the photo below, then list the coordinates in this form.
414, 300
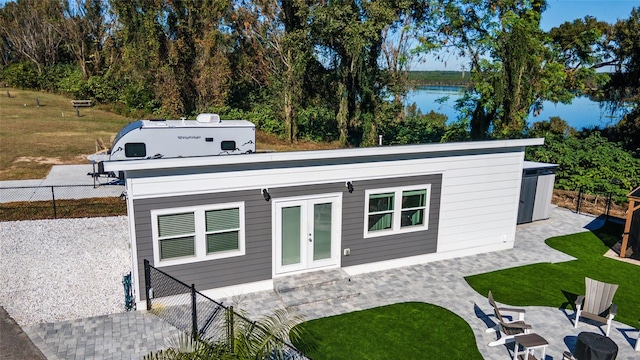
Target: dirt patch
39, 160
78, 159
589, 204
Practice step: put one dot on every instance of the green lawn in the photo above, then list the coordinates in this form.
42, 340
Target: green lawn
411, 330
557, 285
400, 331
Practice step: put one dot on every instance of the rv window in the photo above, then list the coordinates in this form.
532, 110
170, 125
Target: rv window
228, 145
135, 150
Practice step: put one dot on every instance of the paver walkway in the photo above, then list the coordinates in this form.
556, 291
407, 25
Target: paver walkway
333, 292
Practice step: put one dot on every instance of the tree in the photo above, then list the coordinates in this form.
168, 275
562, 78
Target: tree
211, 69
30, 28
84, 31
141, 48
348, 36
586, 45
512, 69
281, 34
554, 126
624, 87
583, 46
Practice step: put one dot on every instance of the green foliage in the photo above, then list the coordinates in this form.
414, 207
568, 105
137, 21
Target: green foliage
74, 84
317, 124
399, 331
23, 75
245, 340
626, 132
554, 126
103, 88
137, 96
184, 347
416, 128
557, 285
593, 164
457, 131
456, 78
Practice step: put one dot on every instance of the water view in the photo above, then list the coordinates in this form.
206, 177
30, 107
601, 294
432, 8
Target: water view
581, 113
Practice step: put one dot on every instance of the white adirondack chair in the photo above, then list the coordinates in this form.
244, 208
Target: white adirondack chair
507, 329
597, 303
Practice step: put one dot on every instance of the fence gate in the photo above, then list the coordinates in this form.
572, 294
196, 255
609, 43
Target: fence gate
187, 309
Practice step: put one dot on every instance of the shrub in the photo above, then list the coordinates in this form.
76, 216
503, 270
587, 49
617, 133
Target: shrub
317, 124
23, 75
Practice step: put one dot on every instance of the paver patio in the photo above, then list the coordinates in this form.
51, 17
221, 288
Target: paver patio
333, 292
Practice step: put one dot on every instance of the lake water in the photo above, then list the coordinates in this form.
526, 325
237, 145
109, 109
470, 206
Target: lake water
581, 113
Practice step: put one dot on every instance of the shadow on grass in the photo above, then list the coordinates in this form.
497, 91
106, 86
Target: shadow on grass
308, 342
610, 232
571, 300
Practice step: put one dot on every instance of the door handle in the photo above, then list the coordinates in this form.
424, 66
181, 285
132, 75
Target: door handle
310, 239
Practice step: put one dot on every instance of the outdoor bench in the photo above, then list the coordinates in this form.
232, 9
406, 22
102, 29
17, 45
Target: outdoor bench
81, 103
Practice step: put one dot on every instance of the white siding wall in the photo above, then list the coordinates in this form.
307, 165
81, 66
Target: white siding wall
479, 204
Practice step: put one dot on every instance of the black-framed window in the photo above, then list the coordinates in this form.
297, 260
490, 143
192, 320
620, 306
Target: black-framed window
228, 145
135, 150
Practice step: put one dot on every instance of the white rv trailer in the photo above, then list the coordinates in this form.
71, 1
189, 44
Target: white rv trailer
205, 136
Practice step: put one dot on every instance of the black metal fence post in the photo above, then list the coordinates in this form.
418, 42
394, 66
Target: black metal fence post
230, 337
608, 206
53, 196
194, 313
147, 283
579, 200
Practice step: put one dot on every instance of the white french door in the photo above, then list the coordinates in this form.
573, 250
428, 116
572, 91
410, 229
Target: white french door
306, 233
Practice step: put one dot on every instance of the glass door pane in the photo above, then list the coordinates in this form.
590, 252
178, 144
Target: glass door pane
322, 231
291, 235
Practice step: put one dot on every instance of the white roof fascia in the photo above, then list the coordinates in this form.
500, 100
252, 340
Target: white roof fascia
185, 162
538, 165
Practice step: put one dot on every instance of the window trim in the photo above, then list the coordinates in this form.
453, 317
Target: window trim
396, 227
200, 234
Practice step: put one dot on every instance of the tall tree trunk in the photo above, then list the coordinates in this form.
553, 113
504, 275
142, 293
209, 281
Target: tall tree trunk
342, 116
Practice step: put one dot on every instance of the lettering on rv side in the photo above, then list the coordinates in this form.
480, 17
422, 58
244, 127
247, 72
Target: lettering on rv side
190, 137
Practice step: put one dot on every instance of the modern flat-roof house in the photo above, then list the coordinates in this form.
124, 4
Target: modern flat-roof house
231, 224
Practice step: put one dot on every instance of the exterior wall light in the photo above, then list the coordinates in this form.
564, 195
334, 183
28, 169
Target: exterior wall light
349, 186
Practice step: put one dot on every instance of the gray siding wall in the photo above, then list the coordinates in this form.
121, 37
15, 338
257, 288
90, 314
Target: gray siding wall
256, 264
367, 250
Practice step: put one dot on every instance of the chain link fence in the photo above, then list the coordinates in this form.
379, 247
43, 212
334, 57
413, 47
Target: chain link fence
205, 319
61, 201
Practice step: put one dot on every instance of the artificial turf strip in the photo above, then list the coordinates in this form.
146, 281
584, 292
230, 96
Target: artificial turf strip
557, 285
411, 330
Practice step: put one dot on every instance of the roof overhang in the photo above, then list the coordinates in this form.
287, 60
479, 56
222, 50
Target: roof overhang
343, 154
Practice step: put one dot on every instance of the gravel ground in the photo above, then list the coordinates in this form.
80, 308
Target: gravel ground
52, 270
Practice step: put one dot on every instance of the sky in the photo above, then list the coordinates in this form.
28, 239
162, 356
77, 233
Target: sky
557, 12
